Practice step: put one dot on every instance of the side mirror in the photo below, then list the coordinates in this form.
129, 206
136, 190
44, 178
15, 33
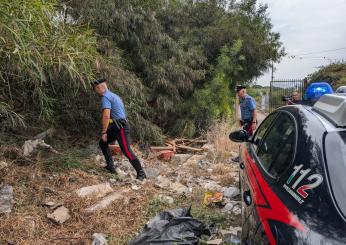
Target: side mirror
239, 136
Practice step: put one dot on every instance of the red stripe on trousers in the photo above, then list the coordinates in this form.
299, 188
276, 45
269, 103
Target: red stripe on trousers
123, 139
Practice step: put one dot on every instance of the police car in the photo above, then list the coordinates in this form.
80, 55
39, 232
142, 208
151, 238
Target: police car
293, 175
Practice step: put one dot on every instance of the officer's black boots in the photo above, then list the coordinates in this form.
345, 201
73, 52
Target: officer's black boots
138, 167
111, 168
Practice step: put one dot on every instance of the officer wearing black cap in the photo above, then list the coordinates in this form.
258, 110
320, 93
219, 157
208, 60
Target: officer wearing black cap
115, 127
248, 110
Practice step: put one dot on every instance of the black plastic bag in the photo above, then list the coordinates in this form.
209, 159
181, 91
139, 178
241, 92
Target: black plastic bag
172, 227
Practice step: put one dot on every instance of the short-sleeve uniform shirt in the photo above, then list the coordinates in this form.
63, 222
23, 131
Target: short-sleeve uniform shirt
115, 104
247, 105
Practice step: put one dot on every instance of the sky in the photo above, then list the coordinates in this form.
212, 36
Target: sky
306, 26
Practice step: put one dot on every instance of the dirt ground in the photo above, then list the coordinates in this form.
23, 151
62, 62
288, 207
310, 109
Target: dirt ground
183, 181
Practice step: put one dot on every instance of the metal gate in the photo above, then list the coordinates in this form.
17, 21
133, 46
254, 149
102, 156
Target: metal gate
281, 89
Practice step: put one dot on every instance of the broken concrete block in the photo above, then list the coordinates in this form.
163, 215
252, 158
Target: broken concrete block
60, 215
104, 203
6, 199
95, 190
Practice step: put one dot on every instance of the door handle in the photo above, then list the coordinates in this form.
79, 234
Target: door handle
247, 198
241, 165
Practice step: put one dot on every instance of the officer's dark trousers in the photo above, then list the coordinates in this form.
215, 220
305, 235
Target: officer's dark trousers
122, 136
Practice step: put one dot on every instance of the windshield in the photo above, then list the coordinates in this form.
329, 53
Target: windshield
335, 146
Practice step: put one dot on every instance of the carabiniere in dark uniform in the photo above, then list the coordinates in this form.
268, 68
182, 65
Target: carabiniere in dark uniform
115, 127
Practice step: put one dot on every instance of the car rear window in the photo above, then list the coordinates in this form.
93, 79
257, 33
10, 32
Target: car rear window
335, 148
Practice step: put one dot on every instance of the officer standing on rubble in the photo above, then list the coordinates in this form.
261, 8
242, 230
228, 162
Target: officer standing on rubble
115, 127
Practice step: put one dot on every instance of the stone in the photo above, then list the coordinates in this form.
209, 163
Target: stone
152, 173
236, 210
99, 190
194, 160
135, 187
121, 173
98, 158
179, 188
104, 203
215, 242
180, 158
99, 239
6, 199
163, 182
165, 199
3, 165
60, 215
204, 163
48, 190
212, 186
229, 207
112, 181
231, 192
51, 205
232, 239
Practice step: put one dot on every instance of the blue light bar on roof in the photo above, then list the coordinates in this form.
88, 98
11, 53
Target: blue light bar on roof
315, 90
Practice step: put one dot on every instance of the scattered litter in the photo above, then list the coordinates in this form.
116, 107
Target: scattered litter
99, 190
172, 227
6, 199
212, 198
60, 215
99, 239
30, 145
165, 155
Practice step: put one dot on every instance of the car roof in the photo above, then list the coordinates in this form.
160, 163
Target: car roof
329, 126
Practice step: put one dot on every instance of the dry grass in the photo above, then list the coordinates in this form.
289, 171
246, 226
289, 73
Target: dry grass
218, 136
27, 223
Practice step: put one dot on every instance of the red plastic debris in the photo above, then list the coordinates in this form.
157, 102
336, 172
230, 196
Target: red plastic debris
166, 155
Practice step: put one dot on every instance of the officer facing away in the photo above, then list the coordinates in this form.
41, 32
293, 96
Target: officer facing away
115, 127
247, 109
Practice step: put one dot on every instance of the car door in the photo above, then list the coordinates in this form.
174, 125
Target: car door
274, 154
249, 221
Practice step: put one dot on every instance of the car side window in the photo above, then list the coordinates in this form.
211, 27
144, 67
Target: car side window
260, 132
277, 148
